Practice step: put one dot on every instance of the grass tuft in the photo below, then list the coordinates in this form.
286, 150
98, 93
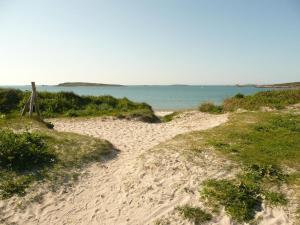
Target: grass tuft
241, 201
194, 214
275, 198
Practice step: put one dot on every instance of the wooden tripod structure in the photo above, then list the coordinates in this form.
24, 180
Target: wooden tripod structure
32, 103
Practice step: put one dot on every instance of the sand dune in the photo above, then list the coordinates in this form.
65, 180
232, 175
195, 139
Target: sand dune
140, 186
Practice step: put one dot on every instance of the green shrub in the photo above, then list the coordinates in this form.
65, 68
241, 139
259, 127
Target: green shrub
241, 201
210, 108
24, 151
9, 99
239, 95
195, 214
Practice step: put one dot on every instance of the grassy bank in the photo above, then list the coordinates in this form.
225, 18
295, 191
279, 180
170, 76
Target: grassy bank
42, 154
66, 104
266, 145
275, 99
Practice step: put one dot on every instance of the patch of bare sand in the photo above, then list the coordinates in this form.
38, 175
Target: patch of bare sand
140, 186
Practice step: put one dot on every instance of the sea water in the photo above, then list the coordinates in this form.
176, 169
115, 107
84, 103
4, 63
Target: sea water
160, 97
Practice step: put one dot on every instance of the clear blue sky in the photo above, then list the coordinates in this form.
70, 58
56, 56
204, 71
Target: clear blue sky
149, 42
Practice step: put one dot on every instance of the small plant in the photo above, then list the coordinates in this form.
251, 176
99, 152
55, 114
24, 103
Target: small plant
195, 214
269, 172
275, 198
162, 221
210, 108
13, 184
241, 201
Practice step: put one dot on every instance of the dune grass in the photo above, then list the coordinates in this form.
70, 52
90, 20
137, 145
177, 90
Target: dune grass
169, 117
68, 104
30, 153
194, 214
259, 138
266, 147
240, 201
264, 144
274, 99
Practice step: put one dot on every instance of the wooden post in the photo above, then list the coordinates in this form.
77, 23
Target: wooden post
32, 103
26, 107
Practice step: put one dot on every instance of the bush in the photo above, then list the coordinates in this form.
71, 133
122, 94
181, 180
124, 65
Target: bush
9, 99
210, 108
239, 95
195, 214
24, 151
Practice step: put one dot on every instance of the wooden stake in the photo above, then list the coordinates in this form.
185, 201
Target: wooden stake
32, 103
26, 107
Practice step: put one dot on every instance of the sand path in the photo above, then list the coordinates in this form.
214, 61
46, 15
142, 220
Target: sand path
105, 196
117, 192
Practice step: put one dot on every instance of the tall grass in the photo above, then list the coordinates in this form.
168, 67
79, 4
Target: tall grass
71, 105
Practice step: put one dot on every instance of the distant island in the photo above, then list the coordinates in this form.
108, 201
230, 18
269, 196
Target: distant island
292, 85
283, 85
86, 84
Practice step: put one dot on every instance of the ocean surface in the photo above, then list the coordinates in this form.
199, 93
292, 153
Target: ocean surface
173, 97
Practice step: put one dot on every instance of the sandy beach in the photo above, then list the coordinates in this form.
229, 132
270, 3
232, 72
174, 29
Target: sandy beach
143, 184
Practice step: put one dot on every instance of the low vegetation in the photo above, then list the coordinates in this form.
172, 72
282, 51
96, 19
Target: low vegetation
275, 99
242, 197
42, 154
10, 100
210, 108
266, 146
241, 201
24, 151
169, 117
259, 138
71, 105
194, 214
